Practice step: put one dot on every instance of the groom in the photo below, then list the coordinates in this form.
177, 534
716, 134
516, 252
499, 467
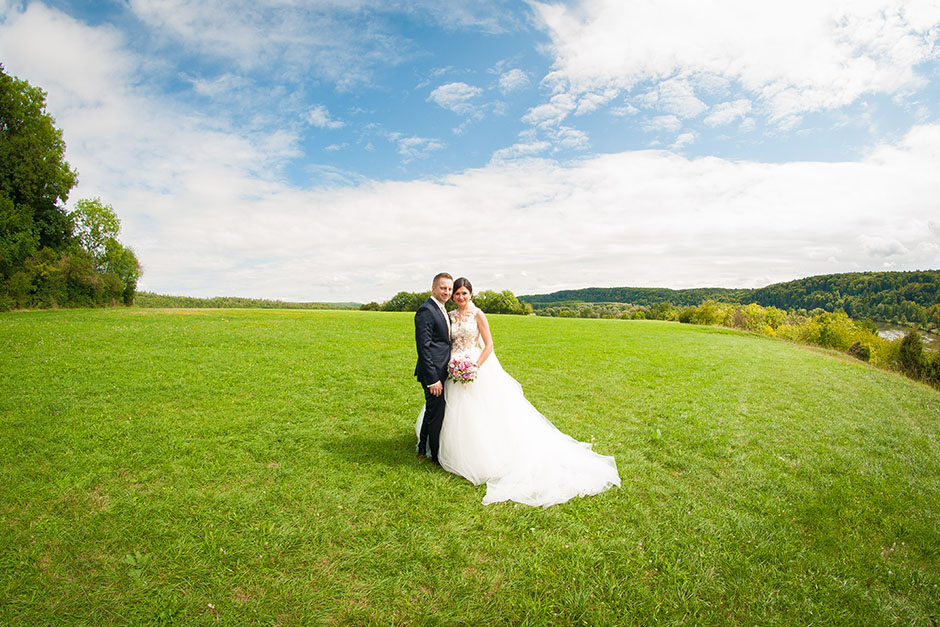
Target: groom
432, 337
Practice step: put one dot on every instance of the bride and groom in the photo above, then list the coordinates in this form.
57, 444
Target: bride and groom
482, 427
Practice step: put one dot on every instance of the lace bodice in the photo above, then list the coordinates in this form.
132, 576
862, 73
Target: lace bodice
464, 333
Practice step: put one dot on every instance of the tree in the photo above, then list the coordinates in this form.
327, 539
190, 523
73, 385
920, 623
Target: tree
500, 302
406, 301
911, 355
121, 263
35, 179
96, 231
49, 257
96, 228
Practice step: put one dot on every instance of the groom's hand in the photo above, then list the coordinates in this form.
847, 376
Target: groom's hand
436, 388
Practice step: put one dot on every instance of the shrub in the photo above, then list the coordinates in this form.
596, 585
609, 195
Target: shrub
860, 351
932, 372
911, 358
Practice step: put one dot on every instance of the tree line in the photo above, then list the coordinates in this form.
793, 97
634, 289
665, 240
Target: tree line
50, 257
489, 301
151, 300
900, 297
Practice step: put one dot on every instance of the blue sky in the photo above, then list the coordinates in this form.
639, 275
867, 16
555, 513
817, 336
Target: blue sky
346, 150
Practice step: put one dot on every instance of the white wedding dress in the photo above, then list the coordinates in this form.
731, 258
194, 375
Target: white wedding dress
491, 434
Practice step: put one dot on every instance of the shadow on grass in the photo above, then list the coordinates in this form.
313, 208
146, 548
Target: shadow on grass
392, 450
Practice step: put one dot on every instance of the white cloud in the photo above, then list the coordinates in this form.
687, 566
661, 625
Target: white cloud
220, 85
876, 246
342, 42
588, 103
635, 218
683, 140
413, 147
552, 112
728, 112
456, 97
205, 208
320, 117
675, 96
794, 57
519, 150
513, 80
669, 123
568, 138
624, 111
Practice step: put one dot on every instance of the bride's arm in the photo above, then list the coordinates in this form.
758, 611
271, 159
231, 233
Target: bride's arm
484, 327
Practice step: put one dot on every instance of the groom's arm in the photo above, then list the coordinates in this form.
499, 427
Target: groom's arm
424, 323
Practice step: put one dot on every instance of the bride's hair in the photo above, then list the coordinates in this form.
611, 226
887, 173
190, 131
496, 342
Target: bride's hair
463, 282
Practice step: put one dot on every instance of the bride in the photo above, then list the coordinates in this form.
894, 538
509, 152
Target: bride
491, 434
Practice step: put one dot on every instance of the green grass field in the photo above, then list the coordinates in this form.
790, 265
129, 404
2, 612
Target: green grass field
257, 467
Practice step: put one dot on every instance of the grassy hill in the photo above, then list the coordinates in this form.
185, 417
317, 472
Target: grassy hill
257, 467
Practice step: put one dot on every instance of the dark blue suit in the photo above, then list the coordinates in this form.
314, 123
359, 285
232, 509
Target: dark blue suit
432, 339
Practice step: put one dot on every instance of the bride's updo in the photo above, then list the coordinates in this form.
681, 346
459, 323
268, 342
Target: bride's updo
463, 282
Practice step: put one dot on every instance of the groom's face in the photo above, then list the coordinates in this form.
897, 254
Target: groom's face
442, 288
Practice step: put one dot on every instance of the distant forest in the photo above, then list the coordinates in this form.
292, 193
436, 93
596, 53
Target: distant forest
149, 299
902, 297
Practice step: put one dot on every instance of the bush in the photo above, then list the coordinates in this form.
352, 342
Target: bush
860, 351
911, 358
932, 372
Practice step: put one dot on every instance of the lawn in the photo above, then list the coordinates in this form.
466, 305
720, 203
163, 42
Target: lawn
203, 467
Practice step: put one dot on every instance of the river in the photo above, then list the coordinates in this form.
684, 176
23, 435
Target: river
893, 332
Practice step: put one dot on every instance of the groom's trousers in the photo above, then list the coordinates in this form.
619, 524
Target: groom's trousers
430, 439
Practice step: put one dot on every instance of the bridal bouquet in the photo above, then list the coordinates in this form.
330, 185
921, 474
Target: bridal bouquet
462, 370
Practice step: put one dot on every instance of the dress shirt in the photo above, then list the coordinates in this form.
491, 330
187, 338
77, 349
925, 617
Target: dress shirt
444, 311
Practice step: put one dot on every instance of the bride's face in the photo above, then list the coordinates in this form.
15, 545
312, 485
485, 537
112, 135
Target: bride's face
462, 296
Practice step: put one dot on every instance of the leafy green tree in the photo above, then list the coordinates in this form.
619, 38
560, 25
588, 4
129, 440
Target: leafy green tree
911, 355
504, 302
406, 301
96, 228
121, 263
49, 257
35, 179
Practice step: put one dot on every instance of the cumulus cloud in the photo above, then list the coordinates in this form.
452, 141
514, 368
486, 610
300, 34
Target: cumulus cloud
320, 117
876, 246
552, 112
727, 112
513, 80
792, 58
456, 97
217, 86
522, 149
413, 147
204, 206
342, 42
624, 111
668, 123
675, 96
683, 140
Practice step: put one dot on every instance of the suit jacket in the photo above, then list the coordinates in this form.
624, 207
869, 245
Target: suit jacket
432, 339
